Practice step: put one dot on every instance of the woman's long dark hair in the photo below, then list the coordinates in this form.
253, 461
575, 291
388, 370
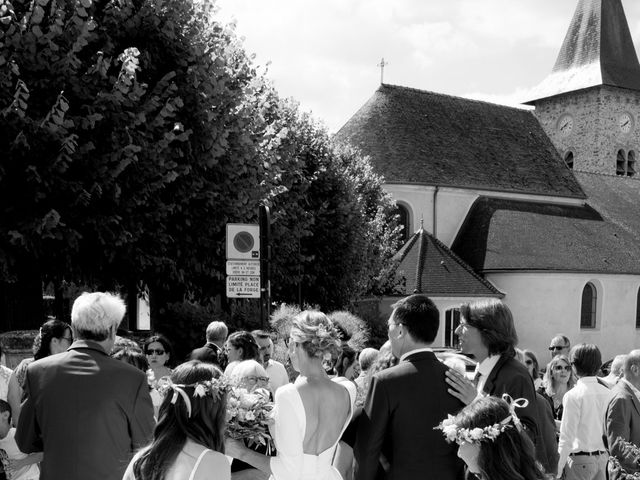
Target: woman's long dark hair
49, 330
511, 456
205, 426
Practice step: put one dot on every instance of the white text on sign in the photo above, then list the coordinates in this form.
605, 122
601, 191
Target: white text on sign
241, 286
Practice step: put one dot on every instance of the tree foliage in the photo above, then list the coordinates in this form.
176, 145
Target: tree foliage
134, 130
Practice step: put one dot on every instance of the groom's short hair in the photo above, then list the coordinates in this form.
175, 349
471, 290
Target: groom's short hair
419, 315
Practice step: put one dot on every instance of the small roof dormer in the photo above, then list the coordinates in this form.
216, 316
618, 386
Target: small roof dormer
597, 50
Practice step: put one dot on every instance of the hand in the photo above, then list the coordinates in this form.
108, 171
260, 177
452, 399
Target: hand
233, 448
461, 387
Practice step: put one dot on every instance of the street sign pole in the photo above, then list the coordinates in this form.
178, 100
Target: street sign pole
264, 220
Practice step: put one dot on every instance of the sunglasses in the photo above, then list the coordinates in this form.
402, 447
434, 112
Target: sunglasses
557, 347
253, 379
151, 351
559, 368
528, 362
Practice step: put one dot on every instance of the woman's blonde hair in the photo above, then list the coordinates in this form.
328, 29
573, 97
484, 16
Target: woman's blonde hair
316, 333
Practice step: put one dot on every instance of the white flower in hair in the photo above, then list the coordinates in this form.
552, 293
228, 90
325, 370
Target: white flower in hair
199, 391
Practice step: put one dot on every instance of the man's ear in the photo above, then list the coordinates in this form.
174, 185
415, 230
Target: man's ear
6, 415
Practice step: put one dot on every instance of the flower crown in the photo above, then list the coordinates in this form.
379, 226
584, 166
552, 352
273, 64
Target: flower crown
214, 388
453, 433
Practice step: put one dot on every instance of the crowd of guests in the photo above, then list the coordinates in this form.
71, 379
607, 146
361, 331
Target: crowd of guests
91, 404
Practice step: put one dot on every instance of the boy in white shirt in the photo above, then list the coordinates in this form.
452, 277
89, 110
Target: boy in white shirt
16, 465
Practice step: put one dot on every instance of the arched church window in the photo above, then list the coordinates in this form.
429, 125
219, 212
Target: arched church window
405, 221
638, 309
621, 164
631, 164
588, 307
568, 159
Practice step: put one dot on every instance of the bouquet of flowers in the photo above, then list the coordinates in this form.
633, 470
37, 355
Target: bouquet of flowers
632, 450
249, 414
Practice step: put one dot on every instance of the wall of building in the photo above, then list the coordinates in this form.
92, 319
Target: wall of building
452, 206
544, 304
597, 134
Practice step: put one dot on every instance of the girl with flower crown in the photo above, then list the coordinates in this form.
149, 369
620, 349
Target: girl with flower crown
188, 441
491, 440
311, 414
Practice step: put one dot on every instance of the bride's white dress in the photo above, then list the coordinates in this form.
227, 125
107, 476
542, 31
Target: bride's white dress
291, 463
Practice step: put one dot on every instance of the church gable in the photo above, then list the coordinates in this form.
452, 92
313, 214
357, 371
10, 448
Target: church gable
418, 137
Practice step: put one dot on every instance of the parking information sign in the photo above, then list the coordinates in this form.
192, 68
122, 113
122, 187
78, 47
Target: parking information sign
243, 286
243, 267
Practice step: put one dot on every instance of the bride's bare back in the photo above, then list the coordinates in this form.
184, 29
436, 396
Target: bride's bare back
327, 406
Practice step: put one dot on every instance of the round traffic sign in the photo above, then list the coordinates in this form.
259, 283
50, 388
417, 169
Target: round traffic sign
243, 241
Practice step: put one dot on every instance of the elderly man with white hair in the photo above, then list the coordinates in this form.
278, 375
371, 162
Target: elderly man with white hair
86, 411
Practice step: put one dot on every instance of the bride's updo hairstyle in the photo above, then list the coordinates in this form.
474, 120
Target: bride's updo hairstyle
316, 333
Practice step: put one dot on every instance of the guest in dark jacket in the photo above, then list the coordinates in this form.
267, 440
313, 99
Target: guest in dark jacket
487, 333
211, 352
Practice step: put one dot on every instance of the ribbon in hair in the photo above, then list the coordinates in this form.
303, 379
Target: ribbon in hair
513, 404
177, 390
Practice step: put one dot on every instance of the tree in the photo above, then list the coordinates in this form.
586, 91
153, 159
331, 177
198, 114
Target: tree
127, 141
134, 130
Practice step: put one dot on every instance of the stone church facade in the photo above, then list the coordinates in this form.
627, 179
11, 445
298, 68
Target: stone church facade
542, 206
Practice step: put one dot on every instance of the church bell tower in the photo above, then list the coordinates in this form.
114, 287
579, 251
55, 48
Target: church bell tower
590, 103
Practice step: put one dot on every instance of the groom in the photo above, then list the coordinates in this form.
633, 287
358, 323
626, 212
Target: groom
406, 402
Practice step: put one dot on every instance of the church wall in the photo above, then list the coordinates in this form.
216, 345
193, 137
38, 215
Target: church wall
453, 204
591, 124
544, 304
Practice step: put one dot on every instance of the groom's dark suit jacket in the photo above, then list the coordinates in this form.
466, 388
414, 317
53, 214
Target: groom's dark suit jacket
86, 411
403, 406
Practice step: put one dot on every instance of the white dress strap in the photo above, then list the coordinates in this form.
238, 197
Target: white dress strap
195, 467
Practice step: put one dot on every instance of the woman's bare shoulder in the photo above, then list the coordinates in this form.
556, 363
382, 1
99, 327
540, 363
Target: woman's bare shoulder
214, 465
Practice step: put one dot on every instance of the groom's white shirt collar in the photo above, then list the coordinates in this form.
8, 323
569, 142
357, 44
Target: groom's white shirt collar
411, 352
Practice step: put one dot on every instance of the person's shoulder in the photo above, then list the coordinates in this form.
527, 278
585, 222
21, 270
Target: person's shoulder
276, 365
214, 465
286, 391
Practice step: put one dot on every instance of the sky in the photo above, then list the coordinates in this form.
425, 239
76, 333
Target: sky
325, 53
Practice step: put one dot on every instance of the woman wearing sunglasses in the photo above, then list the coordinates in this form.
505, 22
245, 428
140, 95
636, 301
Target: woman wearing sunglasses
558, 380
531, 362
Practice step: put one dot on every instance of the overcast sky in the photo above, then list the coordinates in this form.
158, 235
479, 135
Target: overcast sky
324, 53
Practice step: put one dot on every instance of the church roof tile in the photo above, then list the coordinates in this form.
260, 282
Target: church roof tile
601, 236
429, 267
419, 137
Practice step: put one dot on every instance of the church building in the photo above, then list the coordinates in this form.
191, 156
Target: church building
538, 207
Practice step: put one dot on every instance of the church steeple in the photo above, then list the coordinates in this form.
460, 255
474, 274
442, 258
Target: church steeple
597, 50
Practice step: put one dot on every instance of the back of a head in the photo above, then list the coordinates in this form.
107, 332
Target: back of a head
246, 341
217, 332
132, 357
586, 359
95, 316
420, 317
510, 455
316, 333
367, 358
50, 329
617, 365
183, 414
494, 321
632, 359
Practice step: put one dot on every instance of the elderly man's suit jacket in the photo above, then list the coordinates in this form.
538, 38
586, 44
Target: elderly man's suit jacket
86, 411
623, 425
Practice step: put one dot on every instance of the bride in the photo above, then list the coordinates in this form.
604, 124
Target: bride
310, 415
